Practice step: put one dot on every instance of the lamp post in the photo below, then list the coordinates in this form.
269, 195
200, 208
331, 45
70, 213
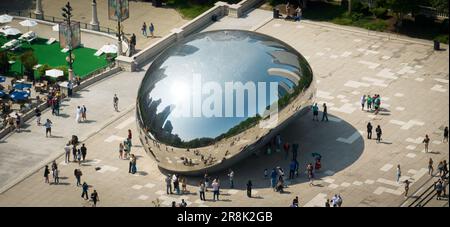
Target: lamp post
67, 14
118, 10
94, 22
119, 32
38, 12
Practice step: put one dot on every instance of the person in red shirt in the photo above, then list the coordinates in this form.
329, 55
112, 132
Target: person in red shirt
318, 165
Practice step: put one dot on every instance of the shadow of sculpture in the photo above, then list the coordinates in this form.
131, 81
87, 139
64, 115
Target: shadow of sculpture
332, 140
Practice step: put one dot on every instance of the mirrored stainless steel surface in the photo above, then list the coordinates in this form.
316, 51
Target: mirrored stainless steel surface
173, 128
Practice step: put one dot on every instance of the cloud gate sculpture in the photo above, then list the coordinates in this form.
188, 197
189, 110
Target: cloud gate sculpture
216, 97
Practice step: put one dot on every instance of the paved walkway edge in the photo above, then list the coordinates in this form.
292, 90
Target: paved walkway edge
389, 36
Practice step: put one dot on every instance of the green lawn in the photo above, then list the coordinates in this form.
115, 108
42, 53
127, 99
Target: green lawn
85, 61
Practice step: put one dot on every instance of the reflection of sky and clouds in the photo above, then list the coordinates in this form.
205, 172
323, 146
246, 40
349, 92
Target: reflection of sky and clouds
217, 57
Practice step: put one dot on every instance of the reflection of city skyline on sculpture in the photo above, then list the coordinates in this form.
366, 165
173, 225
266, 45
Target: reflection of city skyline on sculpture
276, 63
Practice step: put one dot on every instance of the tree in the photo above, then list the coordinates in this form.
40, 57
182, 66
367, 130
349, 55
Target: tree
29, 60
440, 5
402, 8
4, 63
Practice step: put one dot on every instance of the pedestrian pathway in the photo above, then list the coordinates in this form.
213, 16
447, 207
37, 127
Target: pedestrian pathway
24, 152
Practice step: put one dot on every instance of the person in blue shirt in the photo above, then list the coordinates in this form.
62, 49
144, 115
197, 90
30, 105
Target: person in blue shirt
273, 178
292, 166
85, 188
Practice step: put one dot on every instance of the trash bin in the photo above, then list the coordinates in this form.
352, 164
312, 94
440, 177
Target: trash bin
276, 13
437, 45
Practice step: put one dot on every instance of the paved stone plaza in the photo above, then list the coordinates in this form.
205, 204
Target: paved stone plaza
411, 78
164, 19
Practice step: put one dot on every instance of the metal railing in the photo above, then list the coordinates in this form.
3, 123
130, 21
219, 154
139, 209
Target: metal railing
432, 12
30, 14
426, 196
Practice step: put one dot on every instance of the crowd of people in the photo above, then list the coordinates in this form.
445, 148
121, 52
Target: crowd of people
373, 103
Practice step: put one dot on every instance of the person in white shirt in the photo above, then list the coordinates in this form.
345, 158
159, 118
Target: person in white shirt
78, 114
67, 150
215, 185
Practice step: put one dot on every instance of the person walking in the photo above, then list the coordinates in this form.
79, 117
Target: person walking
56, 176
369, 131
77, 173
74, 152
168, 184
273, 179
83, 113
231, 176
176, 184
399, 173
144, 30
379, 132
445, 139
363, 102
78, 114
46, 173
151, 28
18, 120
369, 103
295, 201
55, 172
85, 188
299, 14
426, 141
339, 200
444, 167
325, 112
292, 167
201, 191
95, 198
315, 109
406, 188
48, 127
130, 136
83, 152
334, 201
37, 113
130, 165
309, 170
215, 185
121, 147
438, 187
79, 157
116, 103
249, 188
67, 150
183, 203
430, 167
441, 168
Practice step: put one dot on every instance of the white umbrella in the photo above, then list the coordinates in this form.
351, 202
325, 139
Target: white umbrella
55, 28
5, 18
109, 48
28, 23
11, 31
54, 73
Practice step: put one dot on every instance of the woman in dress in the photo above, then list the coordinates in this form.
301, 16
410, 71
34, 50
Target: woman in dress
78, 114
